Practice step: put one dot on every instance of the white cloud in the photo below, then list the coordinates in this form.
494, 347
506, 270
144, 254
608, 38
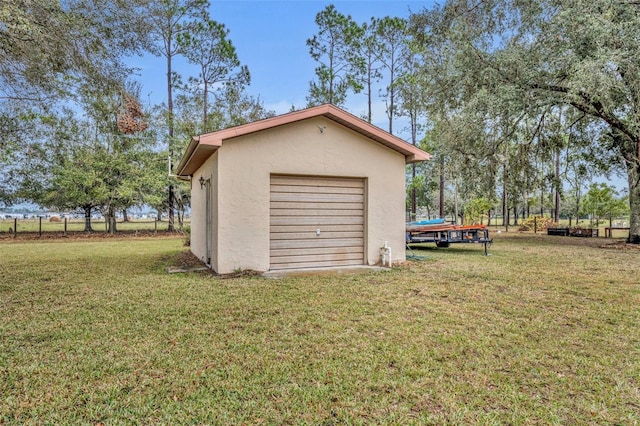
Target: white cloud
284, 106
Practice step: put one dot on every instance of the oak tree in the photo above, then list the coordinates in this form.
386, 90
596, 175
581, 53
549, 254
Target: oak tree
520, 58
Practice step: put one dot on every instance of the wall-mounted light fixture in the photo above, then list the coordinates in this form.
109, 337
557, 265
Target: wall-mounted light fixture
202, 182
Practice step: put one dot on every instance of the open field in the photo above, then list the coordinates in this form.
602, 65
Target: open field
543, 331
35, 225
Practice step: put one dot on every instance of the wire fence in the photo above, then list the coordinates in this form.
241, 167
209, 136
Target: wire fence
43, 226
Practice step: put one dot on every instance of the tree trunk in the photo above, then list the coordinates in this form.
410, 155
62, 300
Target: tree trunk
577, 210
441, 195
505, 208
391, 96
507, 219
369, 95
414, 140
455, 200
633, 173
111, 220
205, 106
414, 200
170, 125
172, 197
125, 216
505, 194
87, 219
331, 76
556, 210
630, 150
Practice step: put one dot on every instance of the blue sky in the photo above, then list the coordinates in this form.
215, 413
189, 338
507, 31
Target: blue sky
270, 38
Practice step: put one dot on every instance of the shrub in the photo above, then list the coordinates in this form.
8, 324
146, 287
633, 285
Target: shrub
476, 210
187, 235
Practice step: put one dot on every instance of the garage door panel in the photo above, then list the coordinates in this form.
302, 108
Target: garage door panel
318, 212
315, 205
288, 189
316, 258
305, 235
312, 243
316, 181
315, 198
312, 228
315, 250
317, 220
316, 264
300, 206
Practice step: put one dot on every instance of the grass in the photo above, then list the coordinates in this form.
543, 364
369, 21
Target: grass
543, 331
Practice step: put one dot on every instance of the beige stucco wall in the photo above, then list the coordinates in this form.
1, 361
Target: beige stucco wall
243, 167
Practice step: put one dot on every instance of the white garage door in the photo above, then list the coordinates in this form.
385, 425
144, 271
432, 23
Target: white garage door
316, 222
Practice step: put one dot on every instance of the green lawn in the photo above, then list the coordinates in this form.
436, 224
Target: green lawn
543, 331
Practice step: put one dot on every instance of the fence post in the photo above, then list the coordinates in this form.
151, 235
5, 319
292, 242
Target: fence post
15, 227
535, 224
40, 227
65, 226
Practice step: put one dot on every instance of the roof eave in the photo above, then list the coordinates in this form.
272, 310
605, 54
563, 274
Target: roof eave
415, 158
199, 149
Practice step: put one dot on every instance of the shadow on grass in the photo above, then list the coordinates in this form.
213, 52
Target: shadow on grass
422, 248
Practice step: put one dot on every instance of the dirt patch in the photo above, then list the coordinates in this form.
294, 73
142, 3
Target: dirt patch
621, 245
183, 261
186, 261
241, 274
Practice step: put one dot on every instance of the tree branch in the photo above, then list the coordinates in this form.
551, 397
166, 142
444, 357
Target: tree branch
586, 104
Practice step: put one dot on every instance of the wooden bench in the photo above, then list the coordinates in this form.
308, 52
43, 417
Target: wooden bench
558, 231
608, 229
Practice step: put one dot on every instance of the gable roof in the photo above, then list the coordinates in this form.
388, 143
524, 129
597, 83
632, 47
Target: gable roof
202, 147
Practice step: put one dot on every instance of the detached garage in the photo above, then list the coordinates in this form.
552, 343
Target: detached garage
310, 189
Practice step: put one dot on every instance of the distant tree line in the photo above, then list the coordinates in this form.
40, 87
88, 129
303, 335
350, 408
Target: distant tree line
522, 104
